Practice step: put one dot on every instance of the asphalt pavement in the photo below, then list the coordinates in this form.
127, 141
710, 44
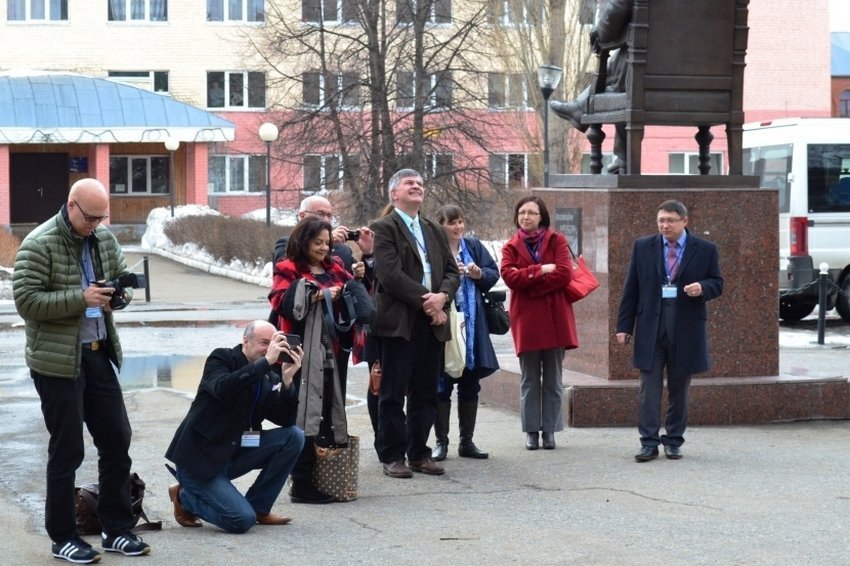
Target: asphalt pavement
774, 494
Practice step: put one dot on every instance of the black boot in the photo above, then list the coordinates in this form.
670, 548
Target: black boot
302, 490
441, 431
466, 413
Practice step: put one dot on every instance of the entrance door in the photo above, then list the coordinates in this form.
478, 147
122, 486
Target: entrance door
39, 186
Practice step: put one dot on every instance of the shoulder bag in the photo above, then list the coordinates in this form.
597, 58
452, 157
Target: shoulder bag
583, 281
498, 320
335, 469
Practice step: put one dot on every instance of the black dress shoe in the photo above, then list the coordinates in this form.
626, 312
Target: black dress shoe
532, 441
647, 453
571, 112
548, 440
306, 493
672, 452
470, 450
440, 451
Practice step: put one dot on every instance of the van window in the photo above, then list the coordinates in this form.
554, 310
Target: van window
829, 177
771, 164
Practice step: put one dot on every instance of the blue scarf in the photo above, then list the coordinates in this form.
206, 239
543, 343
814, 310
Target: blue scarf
466, 300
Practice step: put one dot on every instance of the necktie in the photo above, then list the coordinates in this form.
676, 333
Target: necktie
672, 264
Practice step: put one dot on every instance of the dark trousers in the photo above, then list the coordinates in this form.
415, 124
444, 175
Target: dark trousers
94, 398
651, 390
410, 369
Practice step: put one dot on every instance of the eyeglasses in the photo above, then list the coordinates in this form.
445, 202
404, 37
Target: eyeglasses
88, 217
321, 213
669, 220
527, 213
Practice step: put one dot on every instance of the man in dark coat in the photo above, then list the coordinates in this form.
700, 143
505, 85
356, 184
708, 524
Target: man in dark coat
222, 438
416, 278
671, 277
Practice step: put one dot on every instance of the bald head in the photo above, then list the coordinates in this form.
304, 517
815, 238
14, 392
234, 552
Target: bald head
315, 205
88, 205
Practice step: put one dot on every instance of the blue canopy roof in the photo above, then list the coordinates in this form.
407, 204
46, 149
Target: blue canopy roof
840, 54
70, 108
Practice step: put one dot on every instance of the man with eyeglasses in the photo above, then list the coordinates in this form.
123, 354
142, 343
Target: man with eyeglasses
671, 276
71, 348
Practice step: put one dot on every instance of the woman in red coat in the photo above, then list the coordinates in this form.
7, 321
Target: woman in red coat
536, 267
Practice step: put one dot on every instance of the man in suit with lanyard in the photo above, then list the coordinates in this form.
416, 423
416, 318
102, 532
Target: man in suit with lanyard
416, 276
671, 277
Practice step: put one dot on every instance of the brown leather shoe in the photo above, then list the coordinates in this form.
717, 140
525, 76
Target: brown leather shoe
427, 466
272, 519
183, 517
397, 469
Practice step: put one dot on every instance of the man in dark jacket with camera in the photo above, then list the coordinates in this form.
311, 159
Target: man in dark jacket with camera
222, 438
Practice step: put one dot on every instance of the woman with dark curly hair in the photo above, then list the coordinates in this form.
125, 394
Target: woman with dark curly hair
298, 291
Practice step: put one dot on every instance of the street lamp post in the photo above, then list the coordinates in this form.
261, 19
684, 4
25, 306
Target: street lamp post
268, 133
171, 144
548, 77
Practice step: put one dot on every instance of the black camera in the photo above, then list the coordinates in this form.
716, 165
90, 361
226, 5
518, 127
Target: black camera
352, 235
120, 283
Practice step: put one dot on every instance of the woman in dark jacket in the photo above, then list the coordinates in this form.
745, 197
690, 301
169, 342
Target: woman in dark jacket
478, 274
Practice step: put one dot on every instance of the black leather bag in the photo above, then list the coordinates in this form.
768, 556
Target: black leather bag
498, 320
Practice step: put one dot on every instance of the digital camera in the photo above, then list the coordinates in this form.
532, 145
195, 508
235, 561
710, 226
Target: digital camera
120, 283
352, 235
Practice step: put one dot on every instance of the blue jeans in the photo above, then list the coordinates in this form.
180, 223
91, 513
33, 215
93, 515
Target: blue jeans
217, 500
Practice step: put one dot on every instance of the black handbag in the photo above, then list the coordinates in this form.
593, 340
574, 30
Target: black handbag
498, 320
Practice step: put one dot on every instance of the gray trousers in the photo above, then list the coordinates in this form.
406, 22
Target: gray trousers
649, 403
541, 390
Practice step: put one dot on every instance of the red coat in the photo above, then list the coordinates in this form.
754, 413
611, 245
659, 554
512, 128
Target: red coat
541, 316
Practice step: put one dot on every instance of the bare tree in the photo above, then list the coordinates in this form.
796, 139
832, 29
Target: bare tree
367, 87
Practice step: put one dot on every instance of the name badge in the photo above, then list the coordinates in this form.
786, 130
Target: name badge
669, 291
94, 312
250, 439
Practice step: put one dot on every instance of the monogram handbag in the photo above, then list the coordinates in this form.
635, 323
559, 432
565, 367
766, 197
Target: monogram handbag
335, 470
583, 282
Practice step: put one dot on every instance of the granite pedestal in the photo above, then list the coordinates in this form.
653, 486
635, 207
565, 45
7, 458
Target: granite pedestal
602, 215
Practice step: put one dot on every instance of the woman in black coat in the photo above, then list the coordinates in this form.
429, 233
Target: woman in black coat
478, 274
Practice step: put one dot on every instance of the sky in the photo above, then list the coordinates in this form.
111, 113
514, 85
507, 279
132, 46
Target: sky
839, 15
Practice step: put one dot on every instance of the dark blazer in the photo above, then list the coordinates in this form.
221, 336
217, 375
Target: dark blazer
399, 271
640, 306
211, 433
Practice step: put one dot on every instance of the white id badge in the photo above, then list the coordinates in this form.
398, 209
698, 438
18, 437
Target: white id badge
250, 439
668, 291
94, 312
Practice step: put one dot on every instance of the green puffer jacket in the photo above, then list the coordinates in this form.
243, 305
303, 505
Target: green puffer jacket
48, 296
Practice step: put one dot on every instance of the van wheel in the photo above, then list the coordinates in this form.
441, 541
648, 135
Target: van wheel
842, 303
792, 311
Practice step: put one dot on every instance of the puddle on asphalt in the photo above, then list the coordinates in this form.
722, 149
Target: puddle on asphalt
182, 373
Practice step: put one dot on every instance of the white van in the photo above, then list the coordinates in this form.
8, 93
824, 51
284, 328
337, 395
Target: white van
808, 160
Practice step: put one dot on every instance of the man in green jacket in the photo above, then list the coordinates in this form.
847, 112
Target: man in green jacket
71, 346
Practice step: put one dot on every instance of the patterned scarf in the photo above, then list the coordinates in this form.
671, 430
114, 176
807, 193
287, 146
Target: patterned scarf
532, 241
466, 297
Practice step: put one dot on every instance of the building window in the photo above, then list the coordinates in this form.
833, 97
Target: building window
329, 11
607, 159
236, 11
437, 11
844, 104
435, 87
154, 81
37, 10
507, 91
511, 13
138, 174
688, 164
438, 166
332, 89
509, 169
137, 10
236, 173
323, 173
234, 90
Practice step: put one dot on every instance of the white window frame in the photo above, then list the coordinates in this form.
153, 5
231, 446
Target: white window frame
140, 79
505, 173
432, 16
431, 102
48, 7
128, 189
325, 173
431, 164
508, 80
228, 101
221, 8
324, 100
341, 5
505, 13
130, 17
229, 163
692, 158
